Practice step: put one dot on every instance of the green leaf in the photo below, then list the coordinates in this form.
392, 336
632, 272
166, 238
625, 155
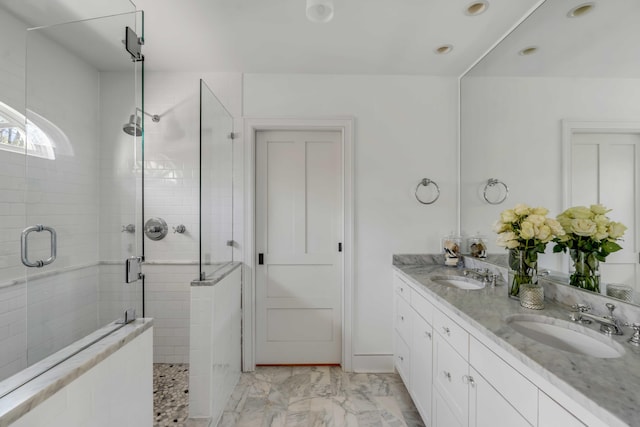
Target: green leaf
609, 246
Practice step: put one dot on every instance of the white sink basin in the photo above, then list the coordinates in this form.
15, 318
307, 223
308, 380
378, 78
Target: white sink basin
458, 282
566, 336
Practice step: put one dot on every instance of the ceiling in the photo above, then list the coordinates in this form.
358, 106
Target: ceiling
603, 43
364, 37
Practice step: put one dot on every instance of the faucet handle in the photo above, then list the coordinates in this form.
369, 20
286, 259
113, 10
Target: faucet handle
582, 308
635, 338
610, 307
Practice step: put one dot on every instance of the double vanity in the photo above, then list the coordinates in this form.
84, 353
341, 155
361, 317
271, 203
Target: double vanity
471, 356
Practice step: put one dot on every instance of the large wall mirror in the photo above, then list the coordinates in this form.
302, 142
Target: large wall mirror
553, 112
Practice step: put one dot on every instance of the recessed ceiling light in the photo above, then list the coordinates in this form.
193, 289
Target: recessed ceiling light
444, 49
581, 10
476, 8
528, 50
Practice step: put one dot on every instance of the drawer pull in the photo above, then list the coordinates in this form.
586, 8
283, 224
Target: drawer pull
468, 379
446, 330
447, 375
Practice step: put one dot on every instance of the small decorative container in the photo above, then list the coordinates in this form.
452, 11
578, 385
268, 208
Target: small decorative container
477, 247
532, 296
451, 249
620, 291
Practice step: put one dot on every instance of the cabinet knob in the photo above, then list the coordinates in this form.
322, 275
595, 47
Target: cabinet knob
427, 334
402, 318
447, 375
401, 358
446, 330
468, 379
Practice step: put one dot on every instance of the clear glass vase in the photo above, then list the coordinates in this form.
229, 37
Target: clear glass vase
586, 270
523, 270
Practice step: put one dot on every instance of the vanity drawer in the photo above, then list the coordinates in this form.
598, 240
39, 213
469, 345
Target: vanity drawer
452, 333
401, 287
402, 359
422, 306
513, 386
403, 319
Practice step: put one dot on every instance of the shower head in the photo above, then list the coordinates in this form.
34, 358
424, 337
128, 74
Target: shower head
133, 127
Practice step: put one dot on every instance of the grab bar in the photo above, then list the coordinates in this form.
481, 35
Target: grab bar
24, 245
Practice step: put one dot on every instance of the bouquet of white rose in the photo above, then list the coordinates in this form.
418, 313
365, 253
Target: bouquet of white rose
590, 237
525, 231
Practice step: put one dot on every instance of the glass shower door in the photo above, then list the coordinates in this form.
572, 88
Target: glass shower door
83, 180
216, 183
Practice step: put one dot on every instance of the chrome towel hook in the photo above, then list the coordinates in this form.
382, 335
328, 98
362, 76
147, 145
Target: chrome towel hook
426, 182
492, 182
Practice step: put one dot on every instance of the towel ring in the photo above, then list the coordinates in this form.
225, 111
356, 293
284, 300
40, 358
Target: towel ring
492, 182
427, 182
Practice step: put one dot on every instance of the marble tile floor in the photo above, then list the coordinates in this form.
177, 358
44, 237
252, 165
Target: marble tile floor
318, 397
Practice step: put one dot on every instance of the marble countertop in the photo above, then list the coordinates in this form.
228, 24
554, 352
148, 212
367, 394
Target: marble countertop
609, 388
217, 275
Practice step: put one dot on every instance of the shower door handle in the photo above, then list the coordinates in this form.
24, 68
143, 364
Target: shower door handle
24, 245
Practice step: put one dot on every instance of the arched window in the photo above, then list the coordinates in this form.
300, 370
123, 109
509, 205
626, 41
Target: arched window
33, 137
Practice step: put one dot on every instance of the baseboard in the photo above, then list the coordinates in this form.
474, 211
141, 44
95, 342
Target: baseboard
372, 363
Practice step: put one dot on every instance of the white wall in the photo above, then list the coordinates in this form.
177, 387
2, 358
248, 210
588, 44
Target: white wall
512, 130
215, 353
405, 130
171, 192
116, 392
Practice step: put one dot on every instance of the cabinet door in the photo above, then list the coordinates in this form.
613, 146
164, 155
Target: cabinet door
449, 375
550, 414
487, 407
443, 415
421, 366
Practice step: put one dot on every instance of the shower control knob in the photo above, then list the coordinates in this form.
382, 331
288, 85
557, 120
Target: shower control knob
156, 228
179, 229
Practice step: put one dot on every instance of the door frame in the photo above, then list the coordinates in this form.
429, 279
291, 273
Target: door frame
251, 126
570, 127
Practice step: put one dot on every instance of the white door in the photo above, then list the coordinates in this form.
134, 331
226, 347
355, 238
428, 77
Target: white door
605, 169
299, 228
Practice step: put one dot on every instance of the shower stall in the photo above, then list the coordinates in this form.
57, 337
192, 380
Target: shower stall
71, 182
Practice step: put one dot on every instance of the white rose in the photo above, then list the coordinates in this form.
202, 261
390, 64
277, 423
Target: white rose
599, 209
616, 230
508, 216
505, 239
527, 230
522, 209
584, 227
536, 220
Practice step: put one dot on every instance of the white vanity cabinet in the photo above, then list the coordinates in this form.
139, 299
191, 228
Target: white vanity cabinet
487, 407
414, 345
422, 365
551, 414
457, 381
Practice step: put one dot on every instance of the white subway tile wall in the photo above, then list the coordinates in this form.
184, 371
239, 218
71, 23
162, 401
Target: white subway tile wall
172, 167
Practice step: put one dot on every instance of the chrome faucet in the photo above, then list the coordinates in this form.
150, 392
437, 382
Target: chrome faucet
482, 273
609, 325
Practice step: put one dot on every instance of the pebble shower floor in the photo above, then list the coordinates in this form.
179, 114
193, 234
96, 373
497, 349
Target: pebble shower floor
170, 394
